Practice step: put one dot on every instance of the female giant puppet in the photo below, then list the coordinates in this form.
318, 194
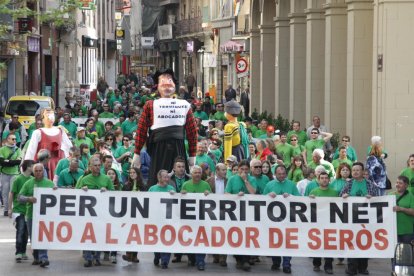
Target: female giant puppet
51, 138
164, 125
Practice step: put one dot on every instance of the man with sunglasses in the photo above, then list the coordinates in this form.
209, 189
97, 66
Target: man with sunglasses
315, 143
256, 177
106, 114
21, 130
10, 158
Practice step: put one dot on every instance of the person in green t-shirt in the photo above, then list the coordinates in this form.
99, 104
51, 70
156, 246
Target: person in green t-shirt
285, 150
300, 134
106, 114
297, 148
162, 186
202, 156
70, 126
10, 158
315, 143
18, 210
281, 186
358, 186
256, 177
26, 195
342, 158
404, 210
263, 127
323, 191
409, 173
129, 125
318, 159
69, 176
296, 170
241, 184
343, 174
94, 181
196, 185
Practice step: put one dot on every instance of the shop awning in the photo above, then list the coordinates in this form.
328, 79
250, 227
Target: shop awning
231, 46
242, 16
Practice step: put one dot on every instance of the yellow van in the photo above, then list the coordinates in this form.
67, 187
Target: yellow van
27, 107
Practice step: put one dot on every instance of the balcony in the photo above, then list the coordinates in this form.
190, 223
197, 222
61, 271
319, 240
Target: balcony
188, 26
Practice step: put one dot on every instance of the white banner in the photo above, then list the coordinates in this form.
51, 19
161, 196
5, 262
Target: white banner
223, 224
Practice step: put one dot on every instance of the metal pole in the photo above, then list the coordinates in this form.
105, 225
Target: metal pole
202, 72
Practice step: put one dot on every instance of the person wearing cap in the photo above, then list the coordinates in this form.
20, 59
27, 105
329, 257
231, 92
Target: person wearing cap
230, 161
82, 139
235, 134
169, 121
199, 113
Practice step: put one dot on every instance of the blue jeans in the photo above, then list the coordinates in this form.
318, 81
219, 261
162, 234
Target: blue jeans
165, 257
285, 263
91, 255
21, 235
198, 259
38, 254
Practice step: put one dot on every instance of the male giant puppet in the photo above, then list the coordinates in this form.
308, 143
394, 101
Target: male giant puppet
164, 125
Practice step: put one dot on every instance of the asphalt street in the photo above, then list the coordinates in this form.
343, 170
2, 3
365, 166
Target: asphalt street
71, 263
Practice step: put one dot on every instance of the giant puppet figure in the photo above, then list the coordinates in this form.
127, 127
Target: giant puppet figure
163, 126
51, 138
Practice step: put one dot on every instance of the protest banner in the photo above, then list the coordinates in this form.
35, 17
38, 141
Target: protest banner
224, 224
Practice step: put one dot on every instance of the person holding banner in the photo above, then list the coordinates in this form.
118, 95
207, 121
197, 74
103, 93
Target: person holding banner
169, 122
94, 181
162, 186
241, 184
281, 186
325, 191
358, 186
196, 185
404, 210
26, 196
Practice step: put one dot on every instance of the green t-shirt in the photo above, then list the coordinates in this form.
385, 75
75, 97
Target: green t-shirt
158, 188
217, 154
259, 182
359, 188
286, 151
201, 114
236, 185
28, 190
405, 222
71, 127
296, 175
200, 187
205, 159
229, 174
129, 127
329, 192
30, 130
338, 184
69, 179
302, 137
219, 116
100, 128
8, 154
17, 185
280, 188
107, 115
259, 133
311, 145
328, 167
95, 182
64, 164
86, 141
114, 99
297, 150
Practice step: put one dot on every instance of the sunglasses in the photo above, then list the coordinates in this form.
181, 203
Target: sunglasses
345, 140
293, 139
215, 133
13, 139
314, 133
125, 140
15, 117
109, 139
257, 167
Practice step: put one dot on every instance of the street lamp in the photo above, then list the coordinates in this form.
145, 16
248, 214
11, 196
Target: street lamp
201, 52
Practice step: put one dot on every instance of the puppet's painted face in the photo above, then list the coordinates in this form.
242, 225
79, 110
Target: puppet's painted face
166, 86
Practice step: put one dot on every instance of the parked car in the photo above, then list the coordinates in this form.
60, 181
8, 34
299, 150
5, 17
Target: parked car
27, 107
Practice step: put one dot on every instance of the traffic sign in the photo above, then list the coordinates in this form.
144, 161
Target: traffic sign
241, 65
